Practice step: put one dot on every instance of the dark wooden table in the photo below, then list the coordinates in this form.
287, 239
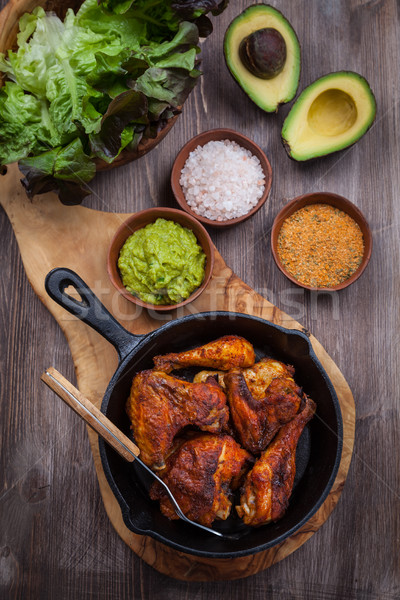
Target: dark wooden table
56, 540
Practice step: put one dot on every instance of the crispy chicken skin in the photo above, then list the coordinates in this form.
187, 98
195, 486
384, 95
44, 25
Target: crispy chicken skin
225, 353
261, 400
201, 474
258, 376
268, 486
160, 406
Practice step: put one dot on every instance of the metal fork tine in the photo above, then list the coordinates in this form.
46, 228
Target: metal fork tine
177, 508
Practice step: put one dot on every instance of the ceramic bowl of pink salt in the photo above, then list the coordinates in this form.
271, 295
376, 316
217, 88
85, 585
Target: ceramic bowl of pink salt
221, 177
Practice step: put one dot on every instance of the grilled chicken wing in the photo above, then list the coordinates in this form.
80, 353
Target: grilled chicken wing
201, 474
160, 406
225, 353
268, 486
261, 399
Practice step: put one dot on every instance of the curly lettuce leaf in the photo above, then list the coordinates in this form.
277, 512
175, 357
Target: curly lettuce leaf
116, 31
23, 120
37, 41
51, 66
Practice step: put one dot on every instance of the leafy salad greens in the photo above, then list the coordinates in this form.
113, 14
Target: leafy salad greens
98, 82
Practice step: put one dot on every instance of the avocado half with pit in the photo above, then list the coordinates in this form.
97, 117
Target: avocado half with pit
262, 53
332, 113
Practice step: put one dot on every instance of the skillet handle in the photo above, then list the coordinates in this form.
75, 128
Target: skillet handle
89, 309
90, 414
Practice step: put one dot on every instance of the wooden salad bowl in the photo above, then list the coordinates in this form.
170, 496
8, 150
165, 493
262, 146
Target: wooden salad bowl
9, 18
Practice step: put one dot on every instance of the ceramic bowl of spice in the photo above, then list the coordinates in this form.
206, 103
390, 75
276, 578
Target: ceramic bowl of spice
221, 177
160, 259
321, 241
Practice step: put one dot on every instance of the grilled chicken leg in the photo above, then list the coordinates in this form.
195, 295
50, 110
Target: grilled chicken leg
160, 406
261, 399
225, 353
268, 486
200, 474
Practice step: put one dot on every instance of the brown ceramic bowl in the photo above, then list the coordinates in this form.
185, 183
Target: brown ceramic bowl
201, 140
338, 202
141, 219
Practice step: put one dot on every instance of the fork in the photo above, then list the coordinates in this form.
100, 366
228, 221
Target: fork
112, 435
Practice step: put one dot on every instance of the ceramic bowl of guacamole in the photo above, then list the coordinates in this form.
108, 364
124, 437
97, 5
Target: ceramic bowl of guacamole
161, 259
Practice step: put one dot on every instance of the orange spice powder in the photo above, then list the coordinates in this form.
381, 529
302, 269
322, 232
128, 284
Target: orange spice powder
320, 245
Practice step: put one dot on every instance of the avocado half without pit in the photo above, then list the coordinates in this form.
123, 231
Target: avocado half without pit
262, 53
332, 113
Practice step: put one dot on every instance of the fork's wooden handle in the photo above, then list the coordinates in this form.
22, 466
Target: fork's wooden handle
90, 414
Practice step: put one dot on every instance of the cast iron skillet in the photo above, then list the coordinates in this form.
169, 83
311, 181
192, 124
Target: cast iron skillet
318, 454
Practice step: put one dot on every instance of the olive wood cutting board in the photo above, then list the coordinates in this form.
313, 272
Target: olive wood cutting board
52, 235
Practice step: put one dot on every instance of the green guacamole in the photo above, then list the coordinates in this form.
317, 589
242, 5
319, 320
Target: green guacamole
162, 263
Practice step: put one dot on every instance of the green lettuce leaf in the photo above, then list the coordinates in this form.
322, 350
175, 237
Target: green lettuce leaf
116, 31
168, 13
36, 52
119, 7
23, 120
171, 74
185, 39
171, 86
49, 65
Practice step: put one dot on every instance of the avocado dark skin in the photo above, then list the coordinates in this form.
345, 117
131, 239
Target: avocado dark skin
263, 53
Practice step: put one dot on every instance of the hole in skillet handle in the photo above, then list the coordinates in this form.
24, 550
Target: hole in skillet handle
89, 309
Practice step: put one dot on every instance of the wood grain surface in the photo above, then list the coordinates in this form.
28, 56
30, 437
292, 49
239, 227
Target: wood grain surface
56, 539
89, 412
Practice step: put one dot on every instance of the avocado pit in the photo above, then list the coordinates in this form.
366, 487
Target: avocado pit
263, 53
332, 113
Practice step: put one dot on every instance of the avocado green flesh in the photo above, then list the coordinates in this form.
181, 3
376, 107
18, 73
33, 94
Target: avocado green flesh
268, 94
162, 263
331, 114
